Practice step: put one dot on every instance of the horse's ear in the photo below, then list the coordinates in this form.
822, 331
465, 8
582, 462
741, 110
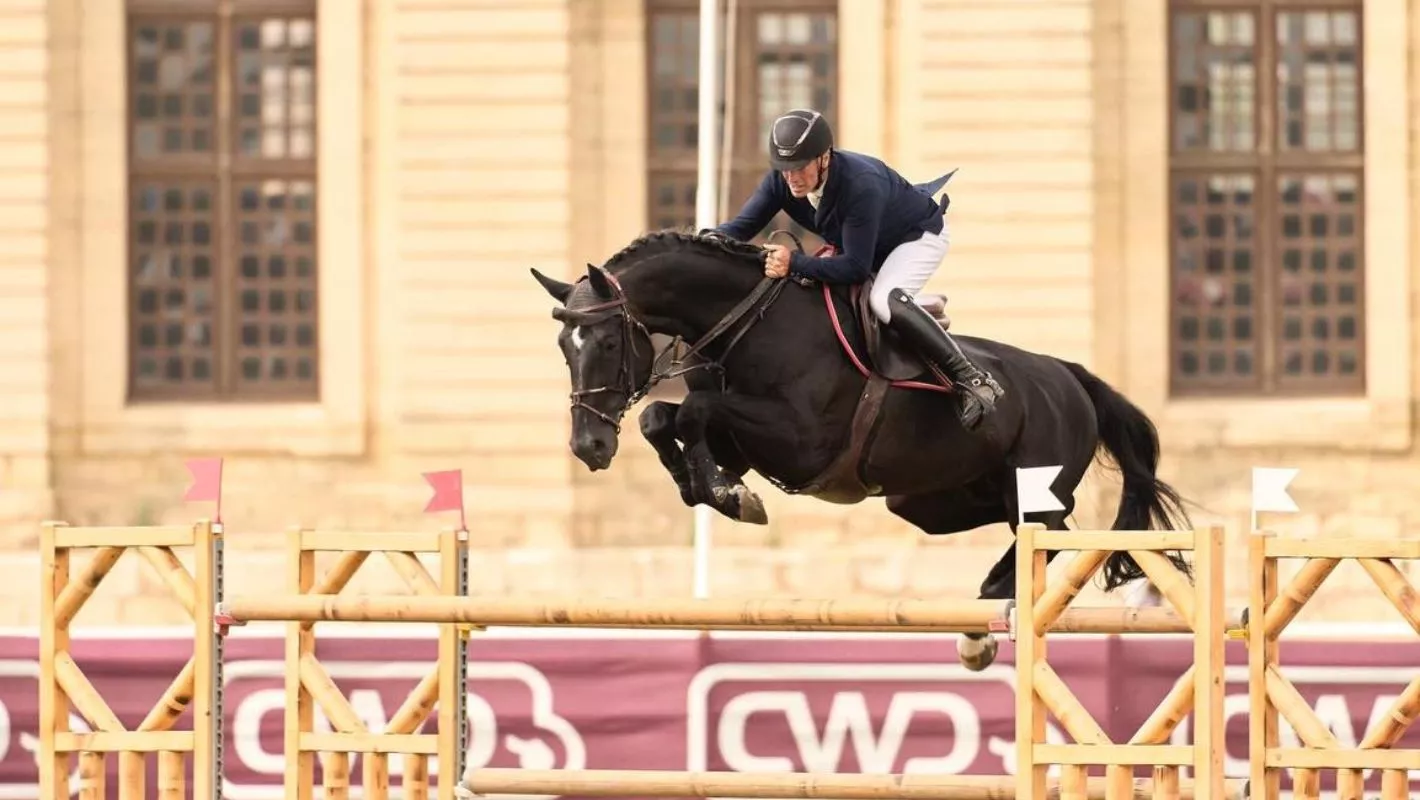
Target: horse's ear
559, 290
601, 283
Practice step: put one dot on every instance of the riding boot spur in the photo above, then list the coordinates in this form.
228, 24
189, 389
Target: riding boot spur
978, 389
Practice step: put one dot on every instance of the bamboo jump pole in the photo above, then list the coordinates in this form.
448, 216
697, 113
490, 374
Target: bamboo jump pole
1039, 688
63, 685
1272, 697
844, 786
909, 615
309, 685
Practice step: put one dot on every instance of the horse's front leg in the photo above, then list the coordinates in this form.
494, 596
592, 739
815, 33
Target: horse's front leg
658, 428
765, 421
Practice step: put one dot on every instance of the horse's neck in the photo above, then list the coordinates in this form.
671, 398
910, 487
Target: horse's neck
692, 302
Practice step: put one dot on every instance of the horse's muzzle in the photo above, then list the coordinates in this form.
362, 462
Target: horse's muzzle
594, 450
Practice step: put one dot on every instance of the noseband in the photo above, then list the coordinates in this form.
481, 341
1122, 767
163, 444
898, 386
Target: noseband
759, 300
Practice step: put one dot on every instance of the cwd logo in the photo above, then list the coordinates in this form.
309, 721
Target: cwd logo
869, 718
511, 719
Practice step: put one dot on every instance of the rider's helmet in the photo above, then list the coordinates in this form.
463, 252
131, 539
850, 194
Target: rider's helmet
797, 138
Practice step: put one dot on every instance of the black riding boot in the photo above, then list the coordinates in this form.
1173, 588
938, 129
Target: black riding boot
978, 389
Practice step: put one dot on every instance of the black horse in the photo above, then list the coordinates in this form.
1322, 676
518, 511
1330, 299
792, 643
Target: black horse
791, 380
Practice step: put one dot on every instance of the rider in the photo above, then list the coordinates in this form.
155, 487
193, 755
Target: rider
877, 222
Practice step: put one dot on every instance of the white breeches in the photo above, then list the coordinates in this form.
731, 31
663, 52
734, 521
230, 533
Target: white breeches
908, 268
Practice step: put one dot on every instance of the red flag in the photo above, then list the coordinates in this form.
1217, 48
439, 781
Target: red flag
448, 492
206, 482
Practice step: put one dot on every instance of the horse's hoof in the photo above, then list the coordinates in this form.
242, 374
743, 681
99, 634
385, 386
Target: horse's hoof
751, 507
977, 652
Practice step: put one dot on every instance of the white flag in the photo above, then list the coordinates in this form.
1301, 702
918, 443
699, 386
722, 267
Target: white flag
1269, 489
1033, 490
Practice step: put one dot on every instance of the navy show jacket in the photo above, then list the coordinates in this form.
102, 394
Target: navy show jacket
867, 210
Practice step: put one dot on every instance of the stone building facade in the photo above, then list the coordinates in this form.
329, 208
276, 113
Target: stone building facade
297, 233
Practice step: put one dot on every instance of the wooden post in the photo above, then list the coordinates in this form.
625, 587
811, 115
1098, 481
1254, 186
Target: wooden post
53, 639
1031, 773
206, 666
64, 687
1209, 636
300, 774
1261, 656
453, 666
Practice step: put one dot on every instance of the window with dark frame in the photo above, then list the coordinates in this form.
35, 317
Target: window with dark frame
1266, 185
785, 56
222, 200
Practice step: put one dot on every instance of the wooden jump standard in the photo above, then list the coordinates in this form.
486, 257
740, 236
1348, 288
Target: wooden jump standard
1198, 609
307, 680
63, 685
1270, 693
1040, 689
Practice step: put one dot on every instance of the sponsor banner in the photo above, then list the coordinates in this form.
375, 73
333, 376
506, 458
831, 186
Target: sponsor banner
743, 703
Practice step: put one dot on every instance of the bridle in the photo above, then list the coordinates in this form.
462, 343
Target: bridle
757, 301
626, 373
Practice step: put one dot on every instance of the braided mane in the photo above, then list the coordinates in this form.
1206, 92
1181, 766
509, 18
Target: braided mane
671, 240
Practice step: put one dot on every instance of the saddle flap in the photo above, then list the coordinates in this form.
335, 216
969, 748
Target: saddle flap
887, 354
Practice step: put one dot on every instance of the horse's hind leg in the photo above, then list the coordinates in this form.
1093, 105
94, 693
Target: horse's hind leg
978, 650
960, 510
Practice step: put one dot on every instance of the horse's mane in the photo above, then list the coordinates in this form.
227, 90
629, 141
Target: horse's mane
673, 240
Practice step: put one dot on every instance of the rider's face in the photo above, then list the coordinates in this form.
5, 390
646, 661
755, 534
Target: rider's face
803, 180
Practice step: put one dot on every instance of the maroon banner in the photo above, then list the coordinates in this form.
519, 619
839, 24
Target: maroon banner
831, 703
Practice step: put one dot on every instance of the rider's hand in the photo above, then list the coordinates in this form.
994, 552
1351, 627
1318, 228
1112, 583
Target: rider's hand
776, 263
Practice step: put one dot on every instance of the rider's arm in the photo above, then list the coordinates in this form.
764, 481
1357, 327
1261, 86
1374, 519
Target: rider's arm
758, 210
860, 240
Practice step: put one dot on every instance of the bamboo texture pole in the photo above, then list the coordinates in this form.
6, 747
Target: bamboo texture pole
842, 786
911, 615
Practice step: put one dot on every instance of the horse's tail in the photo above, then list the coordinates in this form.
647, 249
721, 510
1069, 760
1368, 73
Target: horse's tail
1129, 437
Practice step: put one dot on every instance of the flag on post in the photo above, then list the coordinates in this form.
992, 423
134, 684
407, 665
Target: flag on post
1269, 490
448, 493
1033, 491
206, 483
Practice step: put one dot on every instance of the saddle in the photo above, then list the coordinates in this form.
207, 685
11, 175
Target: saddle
885, 353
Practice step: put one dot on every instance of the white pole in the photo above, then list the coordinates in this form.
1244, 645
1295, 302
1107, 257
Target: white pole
705, 212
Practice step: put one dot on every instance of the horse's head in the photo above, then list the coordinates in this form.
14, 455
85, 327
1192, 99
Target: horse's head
667, 282
609, 355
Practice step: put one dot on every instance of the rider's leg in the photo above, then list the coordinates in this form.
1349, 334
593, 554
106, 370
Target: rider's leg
904, 273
